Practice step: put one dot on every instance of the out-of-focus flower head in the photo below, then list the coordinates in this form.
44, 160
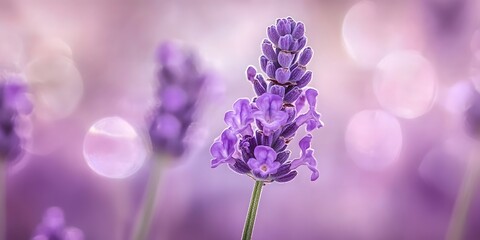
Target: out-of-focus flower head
53, 227
181, 80
13, 104
259, 131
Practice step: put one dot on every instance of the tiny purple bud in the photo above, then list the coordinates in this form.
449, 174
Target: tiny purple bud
285, 42
282, 75
292, 95
305, 56
278, 90
251, 72
263, 63
283, 156
261, 80
258, 87
307, 77
292, 23
301, 43
273, 34
297, 73
285, 59
298, 31
270, 70
268, 51
283, 27
286, 178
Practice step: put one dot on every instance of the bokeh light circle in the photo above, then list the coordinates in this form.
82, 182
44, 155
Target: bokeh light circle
373, 139
53, 46
405, 84
56, 84
112, 148
458, 97
365, 34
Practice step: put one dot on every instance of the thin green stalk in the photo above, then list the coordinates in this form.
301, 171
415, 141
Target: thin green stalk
147, 208
3, 187
252, 211
462, 204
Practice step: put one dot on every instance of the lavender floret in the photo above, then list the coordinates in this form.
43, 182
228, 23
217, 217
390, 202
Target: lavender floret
259, 131
180, 81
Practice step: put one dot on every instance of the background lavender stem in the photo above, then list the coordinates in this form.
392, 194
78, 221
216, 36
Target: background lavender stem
3, 186
148, 205
464, 198
252, 211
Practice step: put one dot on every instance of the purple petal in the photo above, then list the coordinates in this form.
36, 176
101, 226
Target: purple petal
263, 63
305, 56
285, 42
271, 70
299, 30
287, 178
307, 77
264, 162
285, 59
268, 51
283, 27
223, 149
273, 34
251, 73
282, 75
241, 117
277, 90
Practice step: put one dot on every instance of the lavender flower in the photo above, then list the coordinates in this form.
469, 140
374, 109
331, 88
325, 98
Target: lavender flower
180, 81
13, 104
53, 227
259, 131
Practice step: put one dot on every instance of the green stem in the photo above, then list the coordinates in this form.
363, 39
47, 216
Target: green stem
252, 211
462, 204
3, 196
147, 208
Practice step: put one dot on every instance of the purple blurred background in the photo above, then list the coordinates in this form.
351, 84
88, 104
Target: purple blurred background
394, 78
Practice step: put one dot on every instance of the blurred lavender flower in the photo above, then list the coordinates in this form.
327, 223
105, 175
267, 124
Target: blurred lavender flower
255, 142
180, 81
13, 104
53, 227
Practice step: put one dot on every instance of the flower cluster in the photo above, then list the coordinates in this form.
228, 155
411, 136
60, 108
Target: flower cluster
180, 81
53, 227
255, 142
13, 104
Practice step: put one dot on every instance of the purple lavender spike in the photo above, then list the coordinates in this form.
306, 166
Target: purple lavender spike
275, 115
263, 156
181, 82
